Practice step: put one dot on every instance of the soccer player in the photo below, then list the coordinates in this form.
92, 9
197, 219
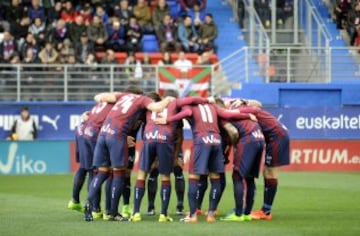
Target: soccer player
159, 142
84, 168
277, 153
206, 156
246, 165
112, 149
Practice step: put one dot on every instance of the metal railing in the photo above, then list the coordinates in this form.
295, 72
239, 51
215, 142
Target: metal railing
294, 64
59, 82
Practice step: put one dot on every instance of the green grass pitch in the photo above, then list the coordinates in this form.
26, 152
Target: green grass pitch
306, 204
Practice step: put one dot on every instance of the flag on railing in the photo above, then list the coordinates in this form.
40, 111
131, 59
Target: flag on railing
195, 82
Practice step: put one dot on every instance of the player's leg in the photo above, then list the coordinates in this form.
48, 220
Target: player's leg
179, 185
165, 152
197, 166
96, 209
108, 184
79, 177
203, 185
152, 186
146, 159
222, 185
277, 154
215, 166
102, 162
126, 210
118, 150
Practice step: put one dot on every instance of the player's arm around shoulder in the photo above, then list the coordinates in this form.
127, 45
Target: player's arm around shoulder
107, 97
159, 106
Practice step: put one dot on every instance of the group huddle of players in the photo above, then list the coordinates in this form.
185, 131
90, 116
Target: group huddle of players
106, 141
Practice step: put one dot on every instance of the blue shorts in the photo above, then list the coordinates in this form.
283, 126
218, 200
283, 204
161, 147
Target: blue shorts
163, 151
277, 151
206, 158
85, 149
111, 151
247, 158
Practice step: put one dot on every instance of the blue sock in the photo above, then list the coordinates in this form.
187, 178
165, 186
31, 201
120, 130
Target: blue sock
179, 186
165, 196
108, 194
90, 178
238, 193
152, 186
269, 194
117, 189
127, 190
192, 195
203, 185
214, 195
79, 179
250, 195
138, 194
95, 186
222, 185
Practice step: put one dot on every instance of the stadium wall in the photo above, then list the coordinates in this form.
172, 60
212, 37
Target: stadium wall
323, 138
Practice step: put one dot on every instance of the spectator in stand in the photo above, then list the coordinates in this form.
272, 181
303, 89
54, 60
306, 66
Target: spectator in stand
36, 11
38, 29
55, 14
77, 28
58, 34
148, 82
66, 50
133, 69
48, 5
142, 13
353, 23
166, 59
161, 10
93, 65
197, 14
30, 58
341, 10
109, 58
86, 13
207, 34
124, 12
183, 64
23, 128
100, 12
97, 32
68, 14
187, 35
48, 55
8, 47
30, 73
84, 48
134, 35
204, 59
20, 29
117, 36
167, 35
30, 43
14, 13
263, 9
187, 5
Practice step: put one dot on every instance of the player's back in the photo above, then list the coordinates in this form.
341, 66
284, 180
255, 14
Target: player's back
268, 123
124, 113
249, 130
99, 113
204, 124
161, 133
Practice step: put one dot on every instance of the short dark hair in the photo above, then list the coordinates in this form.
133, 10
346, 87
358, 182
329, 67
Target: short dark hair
209, 15
154, 96
171, 93
25, 108
134, 89
219, 102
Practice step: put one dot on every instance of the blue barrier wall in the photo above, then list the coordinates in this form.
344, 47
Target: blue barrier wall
302, 95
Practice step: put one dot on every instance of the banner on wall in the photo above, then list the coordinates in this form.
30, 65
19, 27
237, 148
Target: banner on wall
37, 157
306, 155
194, 82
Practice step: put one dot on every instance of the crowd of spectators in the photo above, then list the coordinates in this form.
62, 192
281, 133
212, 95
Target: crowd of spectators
53, 31
347, 16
